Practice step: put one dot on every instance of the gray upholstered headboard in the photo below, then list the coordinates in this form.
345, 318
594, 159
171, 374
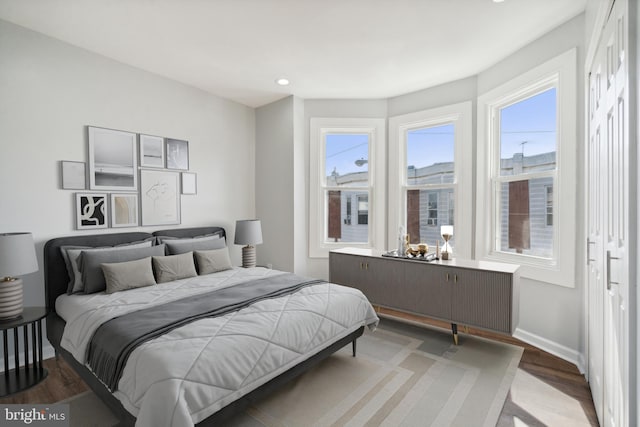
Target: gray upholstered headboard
56, 277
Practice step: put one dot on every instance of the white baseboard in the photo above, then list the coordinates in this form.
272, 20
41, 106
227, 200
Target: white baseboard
552, 347
47, 352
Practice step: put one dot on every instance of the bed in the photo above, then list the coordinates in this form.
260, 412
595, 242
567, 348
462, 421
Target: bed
179, 377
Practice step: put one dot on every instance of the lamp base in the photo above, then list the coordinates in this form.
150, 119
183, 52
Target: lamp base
10, 299
248, 256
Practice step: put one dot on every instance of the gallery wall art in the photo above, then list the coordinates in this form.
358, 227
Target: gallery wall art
112, 159
159, 197
91, 211
139, 173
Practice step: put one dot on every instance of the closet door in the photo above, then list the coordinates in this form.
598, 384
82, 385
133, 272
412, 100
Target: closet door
608, 207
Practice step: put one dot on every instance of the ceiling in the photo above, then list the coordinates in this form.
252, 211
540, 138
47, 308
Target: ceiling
236, 49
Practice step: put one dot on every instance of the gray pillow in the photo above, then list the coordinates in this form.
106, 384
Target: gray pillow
90, 264
174, 267
71, 255
181, 246
121, 276
213, 261
163, 239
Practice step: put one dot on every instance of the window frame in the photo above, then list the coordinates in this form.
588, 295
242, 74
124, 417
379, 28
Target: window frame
319, 127
460, 115
561, 73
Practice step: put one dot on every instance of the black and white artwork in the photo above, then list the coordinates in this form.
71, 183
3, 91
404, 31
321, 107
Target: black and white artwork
151, 151
159, 197
112, 160
91, 211
177, 154
189, 183
73, 175
124, 210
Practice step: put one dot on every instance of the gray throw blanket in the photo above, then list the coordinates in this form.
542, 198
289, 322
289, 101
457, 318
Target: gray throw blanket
114, 340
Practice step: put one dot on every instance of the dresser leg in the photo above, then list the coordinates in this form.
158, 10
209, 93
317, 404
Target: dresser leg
454, 330
353, 347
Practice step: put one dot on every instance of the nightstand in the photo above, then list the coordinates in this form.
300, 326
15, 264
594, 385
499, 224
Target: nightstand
27, 371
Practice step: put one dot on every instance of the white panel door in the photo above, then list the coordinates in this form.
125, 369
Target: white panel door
608, 278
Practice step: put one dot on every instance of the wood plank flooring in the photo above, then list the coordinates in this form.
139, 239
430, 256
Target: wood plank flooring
548, 384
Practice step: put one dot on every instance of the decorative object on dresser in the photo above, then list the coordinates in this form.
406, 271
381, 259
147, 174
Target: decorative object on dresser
248, 232
112, 159
473, 293
447, 233
17, 257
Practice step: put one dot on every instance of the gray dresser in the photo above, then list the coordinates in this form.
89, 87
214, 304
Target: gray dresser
473, 293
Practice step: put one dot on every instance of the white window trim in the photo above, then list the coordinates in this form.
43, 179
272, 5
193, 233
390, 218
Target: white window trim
460, 115
376, 129
560, 270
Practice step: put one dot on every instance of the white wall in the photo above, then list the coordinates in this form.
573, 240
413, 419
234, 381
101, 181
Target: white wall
550, 316
275, 183
49, 92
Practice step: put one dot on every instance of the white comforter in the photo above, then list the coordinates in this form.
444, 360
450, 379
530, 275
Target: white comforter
193, 371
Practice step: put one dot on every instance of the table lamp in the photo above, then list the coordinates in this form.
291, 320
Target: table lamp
248, 232
17, 257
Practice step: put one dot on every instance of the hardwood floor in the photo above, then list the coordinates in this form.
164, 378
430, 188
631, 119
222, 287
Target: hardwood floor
547, 390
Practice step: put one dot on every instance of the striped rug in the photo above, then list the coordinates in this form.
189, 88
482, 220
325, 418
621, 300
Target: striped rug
403, 375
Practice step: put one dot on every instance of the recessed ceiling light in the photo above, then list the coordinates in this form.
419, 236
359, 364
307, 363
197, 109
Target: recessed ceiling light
498, 1
282, 82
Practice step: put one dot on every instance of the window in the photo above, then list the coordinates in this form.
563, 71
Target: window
429, 161
526, 149
363, 209
527, 140
549, 195
345, 178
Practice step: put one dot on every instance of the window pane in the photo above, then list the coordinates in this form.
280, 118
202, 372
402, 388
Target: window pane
346, 159
523, 218
430, 155
528, 135
427, 210
347, 216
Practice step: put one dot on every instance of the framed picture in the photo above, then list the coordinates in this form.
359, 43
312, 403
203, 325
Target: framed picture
159, 197
91, 211
112, 160
151, 151
177, 154
189, 183
73, 175
124, 210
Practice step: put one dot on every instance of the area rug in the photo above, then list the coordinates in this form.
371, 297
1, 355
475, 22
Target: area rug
403, 375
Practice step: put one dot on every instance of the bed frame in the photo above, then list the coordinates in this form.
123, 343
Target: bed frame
57, 279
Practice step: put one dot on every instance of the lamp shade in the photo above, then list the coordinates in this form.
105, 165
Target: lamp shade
446, 229
17, 254
248, 232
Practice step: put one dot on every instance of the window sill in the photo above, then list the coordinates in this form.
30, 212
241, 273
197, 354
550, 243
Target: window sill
546, 271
